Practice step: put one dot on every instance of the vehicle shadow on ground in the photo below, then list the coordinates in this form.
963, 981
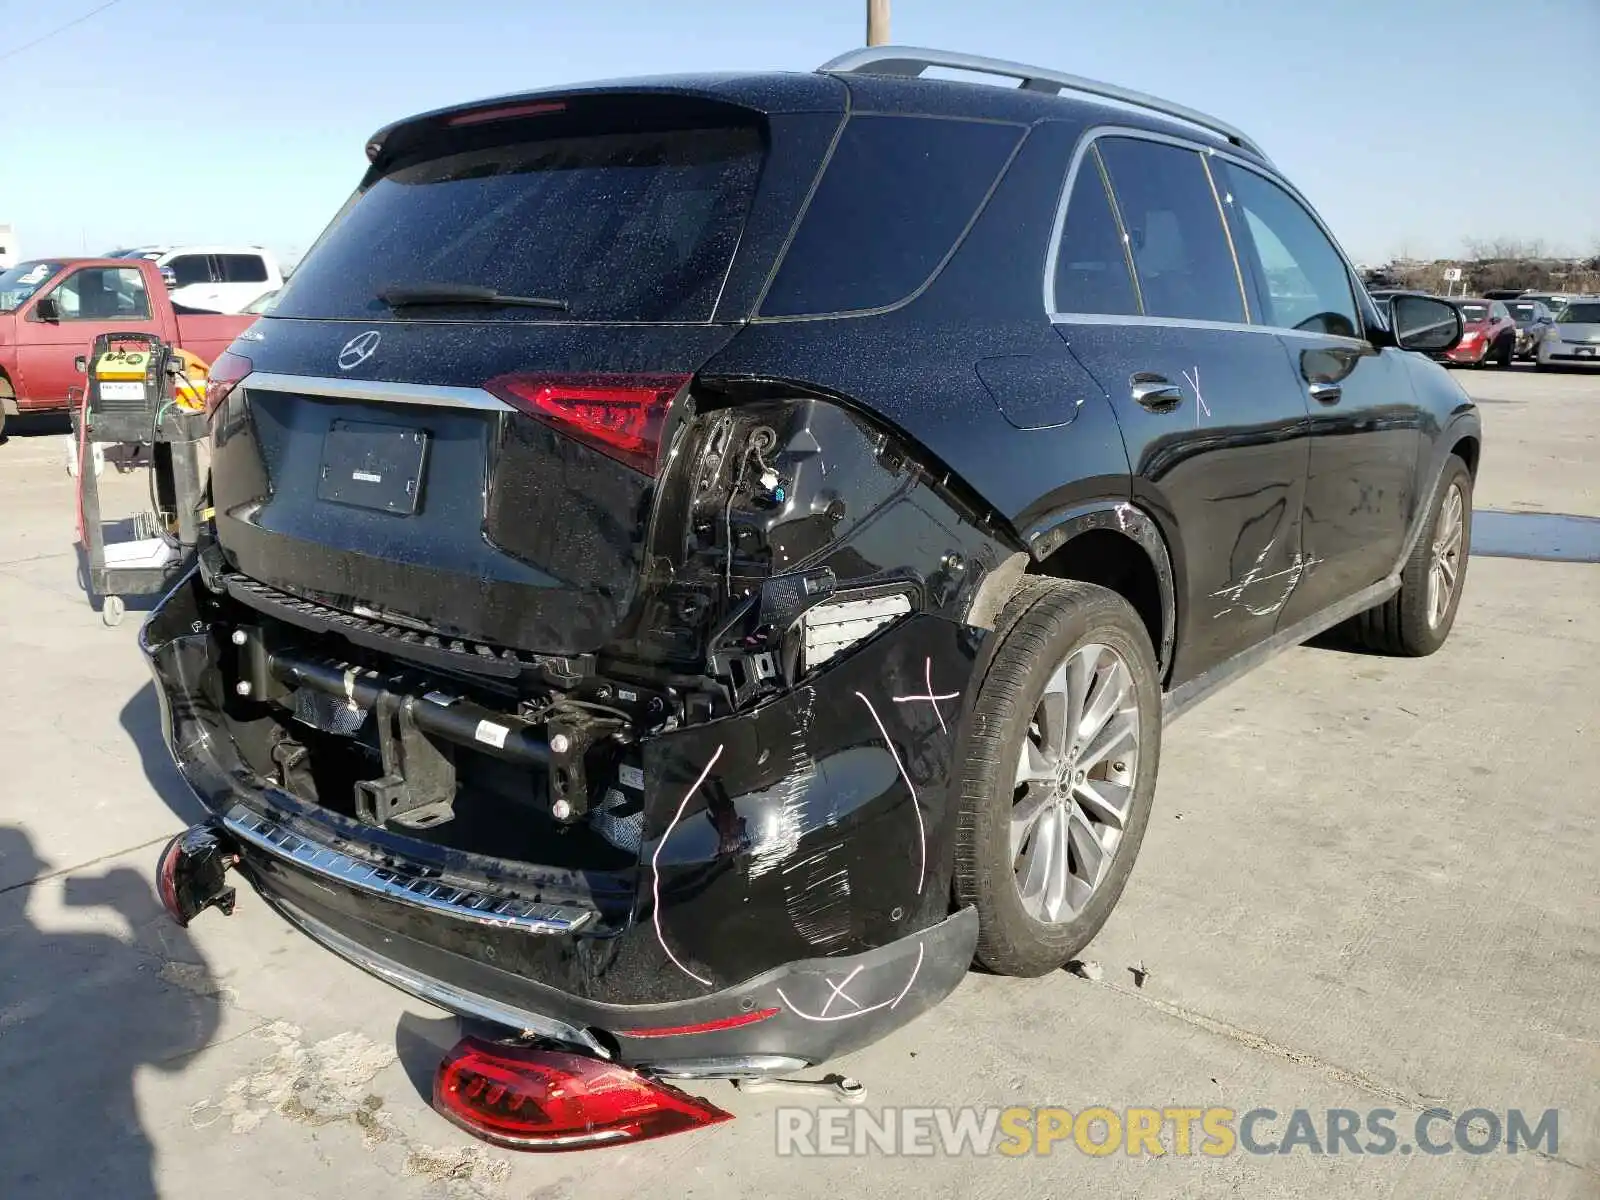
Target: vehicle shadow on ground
141, 721
35, 425
82, 1013
420, 1043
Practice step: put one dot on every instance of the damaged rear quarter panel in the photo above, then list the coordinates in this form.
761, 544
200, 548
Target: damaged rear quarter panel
824, 825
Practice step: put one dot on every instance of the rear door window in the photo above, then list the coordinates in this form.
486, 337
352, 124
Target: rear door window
634, 226
1093, 271
242, 268
1180, 248
897, 195
191, 269
1302, 277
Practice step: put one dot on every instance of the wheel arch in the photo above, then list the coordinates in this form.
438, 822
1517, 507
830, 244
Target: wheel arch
1116, 545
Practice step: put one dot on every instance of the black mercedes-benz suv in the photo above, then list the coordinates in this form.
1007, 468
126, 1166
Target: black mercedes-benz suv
696, 562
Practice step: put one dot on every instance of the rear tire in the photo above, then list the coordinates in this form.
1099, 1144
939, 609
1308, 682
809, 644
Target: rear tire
1044, 861
1415, 622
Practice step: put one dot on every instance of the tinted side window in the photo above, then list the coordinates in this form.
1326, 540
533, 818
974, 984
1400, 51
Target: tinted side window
896, 195
103, 294
1093, 274
1305, 280
243, 268
191, 268
1180, 249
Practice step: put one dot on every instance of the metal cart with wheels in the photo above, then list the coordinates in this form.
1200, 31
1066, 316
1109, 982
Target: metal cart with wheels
129, 400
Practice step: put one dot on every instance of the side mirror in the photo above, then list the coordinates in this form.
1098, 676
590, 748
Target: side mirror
1425, 324
48, 309
168, 277
80, 364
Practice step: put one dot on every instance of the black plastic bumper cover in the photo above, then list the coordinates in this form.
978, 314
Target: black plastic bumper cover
796, 858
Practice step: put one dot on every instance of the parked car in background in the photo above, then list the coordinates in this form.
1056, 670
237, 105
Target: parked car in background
1532, 319
1503, 293
1551, 300
662, 658
51, 310
1574, 339
1489, 335
223, 279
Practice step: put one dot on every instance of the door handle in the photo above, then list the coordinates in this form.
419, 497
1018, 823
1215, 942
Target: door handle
1155, 392
1326, 393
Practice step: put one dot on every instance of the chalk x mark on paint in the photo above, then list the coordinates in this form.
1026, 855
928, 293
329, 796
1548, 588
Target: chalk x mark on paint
930, 697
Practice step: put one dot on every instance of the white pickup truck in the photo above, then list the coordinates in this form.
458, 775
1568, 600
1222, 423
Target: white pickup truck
224, 279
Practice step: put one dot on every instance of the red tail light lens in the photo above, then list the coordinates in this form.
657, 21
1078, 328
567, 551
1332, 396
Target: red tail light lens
534, 1099
622, 416
224, 375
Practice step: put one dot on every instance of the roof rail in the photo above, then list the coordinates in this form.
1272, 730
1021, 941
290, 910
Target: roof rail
912, 61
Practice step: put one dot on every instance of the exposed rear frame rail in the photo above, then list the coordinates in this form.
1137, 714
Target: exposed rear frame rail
912, 61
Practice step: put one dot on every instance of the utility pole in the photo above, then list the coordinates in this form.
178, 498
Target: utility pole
877, 22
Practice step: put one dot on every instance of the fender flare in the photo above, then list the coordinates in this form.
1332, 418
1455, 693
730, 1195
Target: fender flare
1056, 529
1463, 423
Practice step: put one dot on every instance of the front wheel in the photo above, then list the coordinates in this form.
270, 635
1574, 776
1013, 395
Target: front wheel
1416, 620
1057, 774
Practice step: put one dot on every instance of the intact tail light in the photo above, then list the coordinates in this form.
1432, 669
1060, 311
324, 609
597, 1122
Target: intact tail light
622, 416
225, 375
528, 1098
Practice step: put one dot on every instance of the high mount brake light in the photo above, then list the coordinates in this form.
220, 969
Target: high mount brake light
224, 375
529, 1098
507, 112
622, 416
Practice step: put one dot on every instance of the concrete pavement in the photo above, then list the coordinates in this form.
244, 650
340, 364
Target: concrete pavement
1367, 883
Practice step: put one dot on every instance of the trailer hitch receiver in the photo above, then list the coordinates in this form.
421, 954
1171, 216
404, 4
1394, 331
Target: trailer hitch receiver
191, 874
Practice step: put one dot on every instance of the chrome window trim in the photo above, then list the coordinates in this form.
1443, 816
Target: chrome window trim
376, 391
1197, 323
1092, 135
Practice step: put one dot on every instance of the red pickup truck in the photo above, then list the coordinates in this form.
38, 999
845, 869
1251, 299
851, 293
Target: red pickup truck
52, 309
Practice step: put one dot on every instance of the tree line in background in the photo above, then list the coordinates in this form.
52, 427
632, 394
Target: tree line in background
1491, 265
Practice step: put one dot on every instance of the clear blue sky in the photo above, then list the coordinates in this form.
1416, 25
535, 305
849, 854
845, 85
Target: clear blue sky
1411, 124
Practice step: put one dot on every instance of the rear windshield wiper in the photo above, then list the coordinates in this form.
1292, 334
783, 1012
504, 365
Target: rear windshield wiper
426, 294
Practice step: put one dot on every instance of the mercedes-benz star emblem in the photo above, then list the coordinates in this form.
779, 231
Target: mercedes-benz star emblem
358, 349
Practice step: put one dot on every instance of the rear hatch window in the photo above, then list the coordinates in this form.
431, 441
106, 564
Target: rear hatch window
637, 226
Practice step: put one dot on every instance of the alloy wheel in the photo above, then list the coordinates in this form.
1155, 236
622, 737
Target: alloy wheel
1074, 783
1445, 567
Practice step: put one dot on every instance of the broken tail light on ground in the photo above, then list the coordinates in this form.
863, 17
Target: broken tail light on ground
533, 1098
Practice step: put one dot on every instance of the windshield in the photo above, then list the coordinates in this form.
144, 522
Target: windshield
22, 281
1587, 313
1474, 312
636, 226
